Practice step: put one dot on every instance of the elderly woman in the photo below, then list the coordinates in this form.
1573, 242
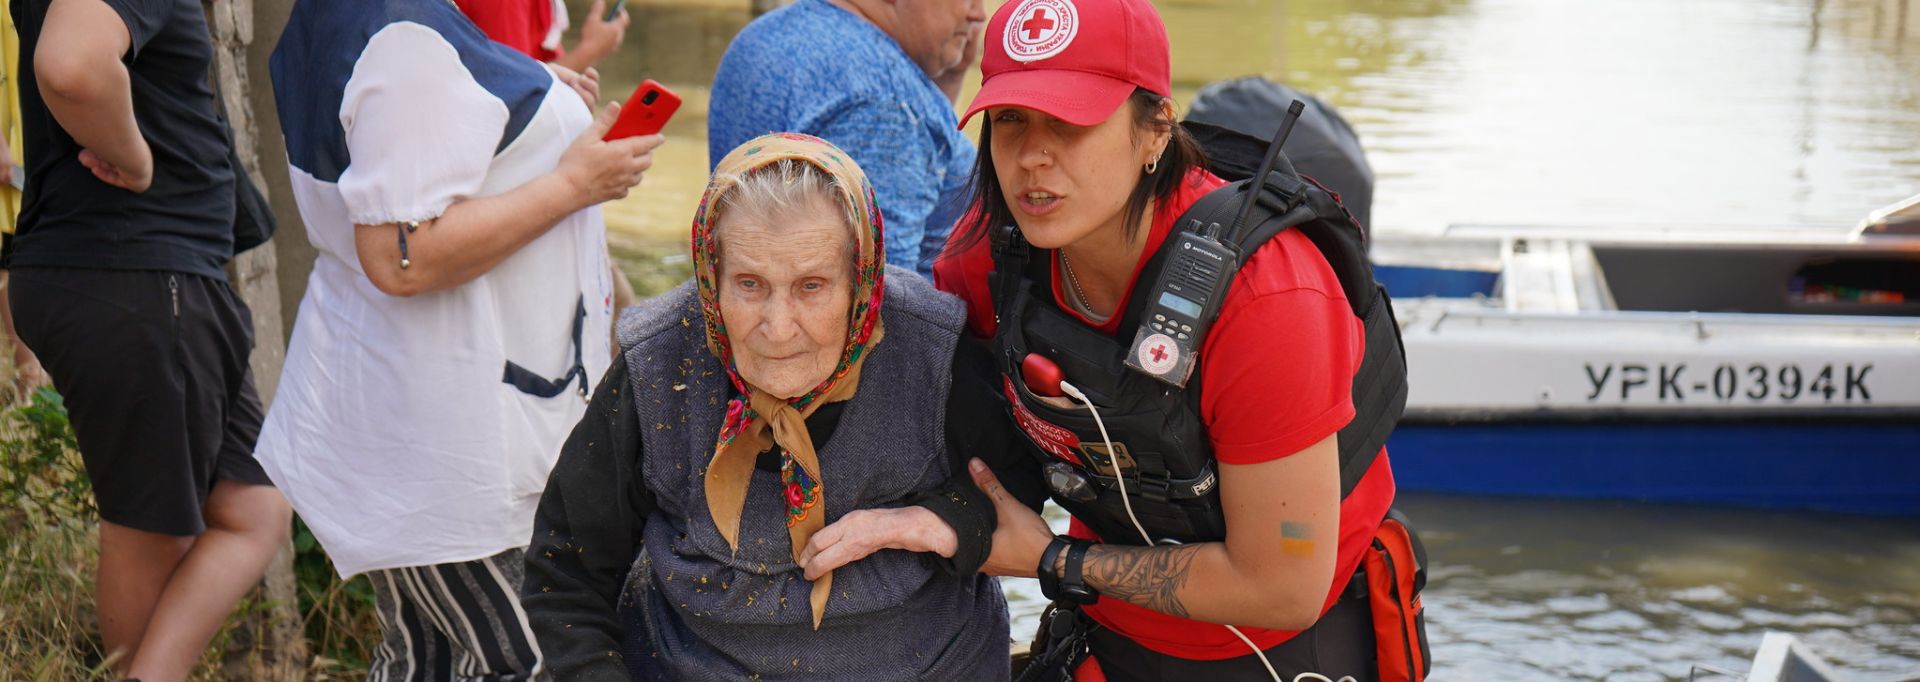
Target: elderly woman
784, 459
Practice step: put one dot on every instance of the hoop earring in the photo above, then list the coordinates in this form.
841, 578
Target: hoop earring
1153, 166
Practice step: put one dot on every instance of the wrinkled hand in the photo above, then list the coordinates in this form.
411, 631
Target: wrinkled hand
586, 83
864, 531
1021, 536
599, 37
604, 170
134, 180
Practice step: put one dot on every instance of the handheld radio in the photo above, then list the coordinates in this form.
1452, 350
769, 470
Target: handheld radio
1186, 298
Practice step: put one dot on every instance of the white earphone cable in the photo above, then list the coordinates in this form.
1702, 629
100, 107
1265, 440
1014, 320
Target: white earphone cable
1125, 501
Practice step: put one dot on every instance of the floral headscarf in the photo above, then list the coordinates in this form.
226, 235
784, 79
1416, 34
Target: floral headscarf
757, 420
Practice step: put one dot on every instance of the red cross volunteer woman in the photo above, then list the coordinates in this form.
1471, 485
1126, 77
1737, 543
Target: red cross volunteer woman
1220, 449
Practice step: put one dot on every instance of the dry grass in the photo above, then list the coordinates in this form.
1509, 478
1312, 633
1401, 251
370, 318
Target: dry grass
48, 546
340, 627
47, 628
47, 550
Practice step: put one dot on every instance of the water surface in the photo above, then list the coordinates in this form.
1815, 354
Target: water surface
1750, 114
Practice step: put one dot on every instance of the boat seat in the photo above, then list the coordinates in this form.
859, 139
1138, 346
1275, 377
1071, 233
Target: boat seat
1552, 276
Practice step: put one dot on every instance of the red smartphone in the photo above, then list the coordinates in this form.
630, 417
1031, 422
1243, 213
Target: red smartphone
646, 112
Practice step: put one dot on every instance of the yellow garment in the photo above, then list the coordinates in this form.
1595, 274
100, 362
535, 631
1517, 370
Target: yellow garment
10, 114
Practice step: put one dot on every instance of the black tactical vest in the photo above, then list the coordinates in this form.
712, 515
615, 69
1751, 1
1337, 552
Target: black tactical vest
1159, 439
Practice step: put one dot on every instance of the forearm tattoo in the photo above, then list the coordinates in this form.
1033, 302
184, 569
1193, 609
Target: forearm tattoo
1143, 576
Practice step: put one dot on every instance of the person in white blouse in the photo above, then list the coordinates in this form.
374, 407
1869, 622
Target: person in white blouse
457, 315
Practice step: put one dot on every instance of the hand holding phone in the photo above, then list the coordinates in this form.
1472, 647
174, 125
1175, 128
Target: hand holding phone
646, 112
597, 168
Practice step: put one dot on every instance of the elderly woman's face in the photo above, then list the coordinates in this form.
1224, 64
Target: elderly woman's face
786, 294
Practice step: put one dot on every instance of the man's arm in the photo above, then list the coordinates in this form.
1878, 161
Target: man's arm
87, 89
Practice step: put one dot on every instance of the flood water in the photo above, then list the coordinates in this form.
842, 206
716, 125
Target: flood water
1750, 114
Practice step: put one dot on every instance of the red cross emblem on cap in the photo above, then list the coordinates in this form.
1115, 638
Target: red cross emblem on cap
1038, 29
1037, 23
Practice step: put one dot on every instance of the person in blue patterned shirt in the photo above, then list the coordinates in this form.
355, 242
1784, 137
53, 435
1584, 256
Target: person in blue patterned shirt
878, 79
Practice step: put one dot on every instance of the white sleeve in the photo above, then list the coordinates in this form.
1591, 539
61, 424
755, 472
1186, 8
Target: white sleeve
421, 132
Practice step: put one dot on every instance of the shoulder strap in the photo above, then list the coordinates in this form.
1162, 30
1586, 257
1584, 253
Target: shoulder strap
1300, 202
1290, 201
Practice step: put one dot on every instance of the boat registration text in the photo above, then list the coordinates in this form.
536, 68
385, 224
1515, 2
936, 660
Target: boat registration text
1785, 383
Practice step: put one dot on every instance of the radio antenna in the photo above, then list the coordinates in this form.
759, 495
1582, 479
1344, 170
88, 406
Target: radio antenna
1266, 166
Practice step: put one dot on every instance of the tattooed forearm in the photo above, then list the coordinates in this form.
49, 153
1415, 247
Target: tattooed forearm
1143, 576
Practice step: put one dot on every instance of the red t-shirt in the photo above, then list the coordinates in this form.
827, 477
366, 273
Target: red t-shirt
1284, 304
519, 24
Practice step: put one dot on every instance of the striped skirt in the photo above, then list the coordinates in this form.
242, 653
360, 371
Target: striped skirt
459, 621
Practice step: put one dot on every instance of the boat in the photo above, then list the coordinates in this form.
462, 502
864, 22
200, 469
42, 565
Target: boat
1781, 658
1775, 368
1761, 367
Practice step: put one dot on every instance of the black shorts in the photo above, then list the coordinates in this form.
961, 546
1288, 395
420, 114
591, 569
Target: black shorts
153, 368
1339, 644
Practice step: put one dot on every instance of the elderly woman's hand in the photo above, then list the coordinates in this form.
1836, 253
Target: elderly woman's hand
865, 531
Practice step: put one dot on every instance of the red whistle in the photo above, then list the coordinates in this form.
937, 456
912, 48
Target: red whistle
1041, 375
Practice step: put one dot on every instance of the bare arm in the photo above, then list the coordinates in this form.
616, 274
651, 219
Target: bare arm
1272, 571
88, 91
474, 235
598, 38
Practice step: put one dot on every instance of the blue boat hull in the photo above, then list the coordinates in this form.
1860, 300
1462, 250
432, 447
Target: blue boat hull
1410, 281
1858, 467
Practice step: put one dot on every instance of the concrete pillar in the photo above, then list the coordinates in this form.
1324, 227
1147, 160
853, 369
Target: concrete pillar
268, 642
293, 252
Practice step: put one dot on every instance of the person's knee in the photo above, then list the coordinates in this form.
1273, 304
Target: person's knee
256, 511
120, 542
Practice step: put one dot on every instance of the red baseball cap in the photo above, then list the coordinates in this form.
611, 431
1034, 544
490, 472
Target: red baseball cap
1076, 60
